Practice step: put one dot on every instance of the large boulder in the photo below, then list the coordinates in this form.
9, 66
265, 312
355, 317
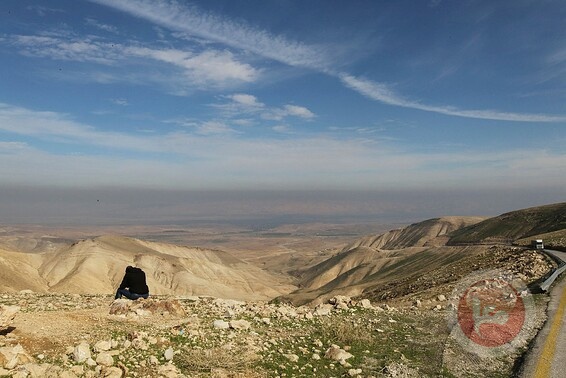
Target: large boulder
147, 307
7, 314
10, 357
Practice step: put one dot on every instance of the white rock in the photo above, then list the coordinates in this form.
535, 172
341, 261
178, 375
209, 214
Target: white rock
354, 372
323, 309
292, 357
221, 324
103, 345
112, 372
81, 353
169, 353
140, 344
315, 356
365, 303
441, 298
240, 324
168, 371
104, 359
338, 354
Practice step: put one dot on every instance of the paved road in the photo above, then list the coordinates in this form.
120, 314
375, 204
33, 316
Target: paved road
547, 359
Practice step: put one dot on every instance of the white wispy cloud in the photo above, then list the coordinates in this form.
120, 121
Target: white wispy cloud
192, 20
120, 101
205, 67
210, 154
74, 49
245, 104
208, 68
42, 10
52, 126
382, 93
102, 26
246, 100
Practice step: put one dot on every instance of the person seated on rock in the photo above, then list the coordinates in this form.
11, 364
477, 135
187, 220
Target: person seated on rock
133, 285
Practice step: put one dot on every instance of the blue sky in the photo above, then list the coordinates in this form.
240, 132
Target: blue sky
285, 95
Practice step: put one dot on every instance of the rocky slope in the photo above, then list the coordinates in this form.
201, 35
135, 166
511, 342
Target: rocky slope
377, 260
373, 265
514, 225
71, 336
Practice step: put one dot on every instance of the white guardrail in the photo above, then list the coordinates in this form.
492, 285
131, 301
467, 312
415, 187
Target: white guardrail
545, 285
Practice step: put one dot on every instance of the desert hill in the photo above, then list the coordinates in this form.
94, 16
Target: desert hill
514, 225
376, 260
96, 266
432, 232
372, 264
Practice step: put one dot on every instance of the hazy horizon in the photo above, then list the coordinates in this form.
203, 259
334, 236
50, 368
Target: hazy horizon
51, 206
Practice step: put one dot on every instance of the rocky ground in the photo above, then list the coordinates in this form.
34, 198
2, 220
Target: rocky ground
71, 335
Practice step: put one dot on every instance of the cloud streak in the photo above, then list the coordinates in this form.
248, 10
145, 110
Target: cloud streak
380, 92
213, 157
192, 20
245, 104
203, 69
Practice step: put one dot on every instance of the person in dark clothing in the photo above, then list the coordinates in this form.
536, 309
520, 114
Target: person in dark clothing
133, 285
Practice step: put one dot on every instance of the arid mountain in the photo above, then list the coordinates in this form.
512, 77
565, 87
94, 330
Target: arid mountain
432, 232
376, 260
96, 266
514, 225
400, 256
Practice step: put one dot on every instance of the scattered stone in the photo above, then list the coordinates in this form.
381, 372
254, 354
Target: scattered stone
365, 303
81, 353
354, 372
105, 359
221, 324
102, 346
441, 298
146, 307
168, 354
168, 371
292, 357
7, 315
337, 354
240, 324
10, 357
112, 372
323, 309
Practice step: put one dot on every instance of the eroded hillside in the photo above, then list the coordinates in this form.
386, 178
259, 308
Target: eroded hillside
96, 266
412, 259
